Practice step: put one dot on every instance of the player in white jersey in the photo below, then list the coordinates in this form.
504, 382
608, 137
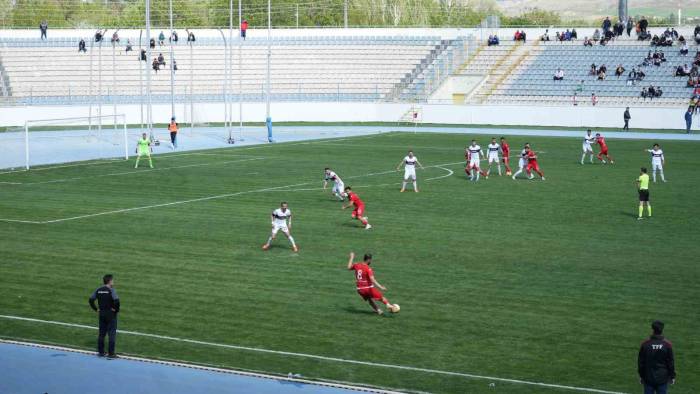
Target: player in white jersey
522, 163
338, 185
657, 162
475, 155
409, 172
281, 220
493, 149
587, 146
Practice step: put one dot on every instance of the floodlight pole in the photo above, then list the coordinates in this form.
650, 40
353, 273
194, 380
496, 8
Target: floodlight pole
172, 64
230, 71
224, 92
345, 13
268, 119
149, 108
191, 87
114, 83
240, 72
141, 77
99, 88
92, 97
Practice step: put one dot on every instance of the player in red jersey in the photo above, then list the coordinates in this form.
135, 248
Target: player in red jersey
505, 149
600, 140
366, 283
532, 164
359, 210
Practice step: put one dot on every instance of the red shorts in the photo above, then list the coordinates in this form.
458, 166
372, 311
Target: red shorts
533, 166
506, 159
604, 151
370, 293
358, 211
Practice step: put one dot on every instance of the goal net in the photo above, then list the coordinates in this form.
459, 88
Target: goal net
53, 141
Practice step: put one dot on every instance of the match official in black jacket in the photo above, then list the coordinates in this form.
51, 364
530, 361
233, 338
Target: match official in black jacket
655, 363
107, 307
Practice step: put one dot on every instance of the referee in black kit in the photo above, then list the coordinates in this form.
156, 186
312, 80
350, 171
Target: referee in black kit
108, 303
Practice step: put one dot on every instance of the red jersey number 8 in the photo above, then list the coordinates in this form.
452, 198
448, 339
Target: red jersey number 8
359, 275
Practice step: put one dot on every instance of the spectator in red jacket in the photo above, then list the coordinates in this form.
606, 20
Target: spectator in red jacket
244, 27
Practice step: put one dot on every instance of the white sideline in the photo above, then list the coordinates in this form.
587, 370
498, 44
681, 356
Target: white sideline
215, 197
324, 358
183, 364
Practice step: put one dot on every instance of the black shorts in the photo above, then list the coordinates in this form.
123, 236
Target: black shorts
644, 195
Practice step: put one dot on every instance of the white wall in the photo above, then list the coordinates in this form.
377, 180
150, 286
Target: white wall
647, 117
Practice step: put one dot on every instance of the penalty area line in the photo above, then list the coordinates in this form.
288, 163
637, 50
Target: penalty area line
319, 357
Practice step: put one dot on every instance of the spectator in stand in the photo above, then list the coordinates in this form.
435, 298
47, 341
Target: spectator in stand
152, 43
619, 70
560, 37
174, 66
115, 38
43, 27
523, 35
567, 35
688, 119
99, 35
574, 100
630, 25
606, 24
161, 59
644, 94
596, 35
190, 37
155, 65
574, 35
587, 42
161, 38
643, 24
594, 99
244, 28
593, 70
559, 75
682, 71
174, 37
493, 40
640, 75
545, 36
129, 47
697, 38
601, 74
632, 77
684, 49
143, 55
81, 46
580, 86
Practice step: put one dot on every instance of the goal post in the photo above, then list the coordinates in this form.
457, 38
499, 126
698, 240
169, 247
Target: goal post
62, 140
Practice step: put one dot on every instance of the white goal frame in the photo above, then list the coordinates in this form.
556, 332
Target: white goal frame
116, 118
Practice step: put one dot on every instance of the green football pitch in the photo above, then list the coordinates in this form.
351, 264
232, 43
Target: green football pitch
551, 282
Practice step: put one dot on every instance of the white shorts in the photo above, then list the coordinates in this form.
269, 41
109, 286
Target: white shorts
587, 148
338, 187
277, 227
409, 172
657, 166
474, 163
521, 163
493, 158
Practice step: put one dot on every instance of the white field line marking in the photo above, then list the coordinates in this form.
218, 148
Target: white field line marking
207, 198
10, 183
184, 364
317, 357
449, 173
137, 171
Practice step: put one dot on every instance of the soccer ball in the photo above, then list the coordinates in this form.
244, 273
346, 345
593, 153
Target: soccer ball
395, 308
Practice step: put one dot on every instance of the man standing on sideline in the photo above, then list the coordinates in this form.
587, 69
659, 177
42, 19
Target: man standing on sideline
643, 186
244, 28
108, 303
627, 118
688, 119
655, 362
173, 128
43, 26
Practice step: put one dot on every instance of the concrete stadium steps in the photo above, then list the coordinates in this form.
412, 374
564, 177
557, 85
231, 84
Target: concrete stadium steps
532, 81
312, 68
